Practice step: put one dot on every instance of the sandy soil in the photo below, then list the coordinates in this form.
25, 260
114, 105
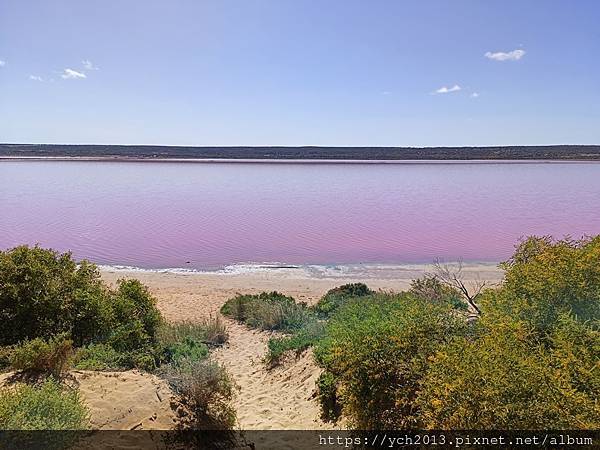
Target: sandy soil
283, 397
128, 400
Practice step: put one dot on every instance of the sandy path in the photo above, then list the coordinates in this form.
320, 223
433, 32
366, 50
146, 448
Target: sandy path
275, 399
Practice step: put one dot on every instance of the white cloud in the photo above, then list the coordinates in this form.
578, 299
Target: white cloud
475, 95
2, 63
447, 90
35, 78
88, 65
514, 55
72, 74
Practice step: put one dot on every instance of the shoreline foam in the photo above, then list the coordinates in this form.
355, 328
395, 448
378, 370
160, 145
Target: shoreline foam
370, 270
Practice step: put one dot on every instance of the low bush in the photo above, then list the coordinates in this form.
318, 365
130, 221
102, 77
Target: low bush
102, 357
431, 289
339, 296
377, 350
45, 293
185, 351
546, 278
210, 331
298, 342
216, 331
136, 316
51, 356
5, 353
328, 398
267, 311
48, 406
206, 390
507, 379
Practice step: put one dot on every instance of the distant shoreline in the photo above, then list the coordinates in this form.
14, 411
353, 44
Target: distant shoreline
119, 159
299, 154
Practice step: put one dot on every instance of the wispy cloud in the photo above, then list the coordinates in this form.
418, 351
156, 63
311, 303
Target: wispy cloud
35, 78
447, 90
72, 74
474, 95
514, 55
2, 63
87, 64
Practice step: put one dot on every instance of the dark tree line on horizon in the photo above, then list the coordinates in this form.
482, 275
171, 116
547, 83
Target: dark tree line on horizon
550, 152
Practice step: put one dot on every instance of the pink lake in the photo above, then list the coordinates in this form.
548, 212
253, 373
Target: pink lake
209, 215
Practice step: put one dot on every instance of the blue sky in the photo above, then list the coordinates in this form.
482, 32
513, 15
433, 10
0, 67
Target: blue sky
300, 72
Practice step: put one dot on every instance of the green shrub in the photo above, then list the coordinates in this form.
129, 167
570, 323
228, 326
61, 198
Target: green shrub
187, 350
207, 391
52, 356
44, 293
506, 379
5, 353
546, 278
431, 289
216, 331
378, 351
328, 399
102, 357
337, 297
49, 406
210, 331
267, 311
533, 362
105, 357
137, 317
298, 342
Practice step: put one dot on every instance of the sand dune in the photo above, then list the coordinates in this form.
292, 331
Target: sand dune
283, 397
278, 398
129, 400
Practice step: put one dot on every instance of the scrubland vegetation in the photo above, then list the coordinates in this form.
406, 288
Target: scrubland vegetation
442, 355
57, 314
522, 355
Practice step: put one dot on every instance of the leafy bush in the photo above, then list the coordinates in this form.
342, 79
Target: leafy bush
5, 353
136, 316
328, 398
52, 356
298, 342
378, 350
206, 390
49, 406
44, 293
336, 297
431, 289
100, 357
267, 311
545, 278
187, 350
210, 331
216, 331
534, 360
506, 379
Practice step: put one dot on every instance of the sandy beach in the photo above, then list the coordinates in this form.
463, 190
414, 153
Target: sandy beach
280, 398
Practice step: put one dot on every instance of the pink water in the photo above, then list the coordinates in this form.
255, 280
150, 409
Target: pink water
208, 215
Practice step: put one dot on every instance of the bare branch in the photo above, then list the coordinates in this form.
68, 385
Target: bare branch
452, 275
